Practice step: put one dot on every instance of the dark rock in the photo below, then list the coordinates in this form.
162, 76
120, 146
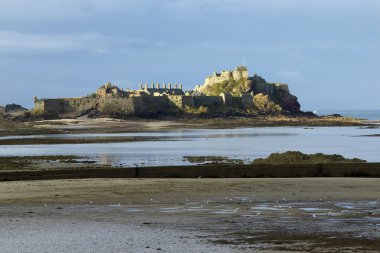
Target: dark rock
14, 108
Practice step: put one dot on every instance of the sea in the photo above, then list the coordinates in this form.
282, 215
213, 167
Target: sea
361, 114
246, 144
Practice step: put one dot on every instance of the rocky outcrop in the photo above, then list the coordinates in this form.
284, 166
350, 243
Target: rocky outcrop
277, 92
14, 108
287, 101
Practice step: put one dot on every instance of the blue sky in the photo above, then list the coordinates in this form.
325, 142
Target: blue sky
328, 51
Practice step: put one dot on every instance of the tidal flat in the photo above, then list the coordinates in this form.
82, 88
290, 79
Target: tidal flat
191, 215
111, 125
104, 200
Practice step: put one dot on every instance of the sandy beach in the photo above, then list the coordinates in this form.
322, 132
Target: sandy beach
191, 215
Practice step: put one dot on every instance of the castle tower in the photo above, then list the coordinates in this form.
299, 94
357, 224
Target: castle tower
237, 74
245, 73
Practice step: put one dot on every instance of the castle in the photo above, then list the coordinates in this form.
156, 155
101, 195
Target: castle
227, 75
157, 98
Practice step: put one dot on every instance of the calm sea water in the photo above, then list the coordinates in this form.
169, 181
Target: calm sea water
361, 114
241, 143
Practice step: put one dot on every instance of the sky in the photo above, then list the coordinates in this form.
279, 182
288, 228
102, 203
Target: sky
328, 51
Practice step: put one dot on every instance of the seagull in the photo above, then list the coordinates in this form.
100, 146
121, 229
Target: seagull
314, 216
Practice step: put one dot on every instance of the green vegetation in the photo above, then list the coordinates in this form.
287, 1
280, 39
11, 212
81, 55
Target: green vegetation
198, 111
28, 162
296, 157
232, 86
92, 95
265, 105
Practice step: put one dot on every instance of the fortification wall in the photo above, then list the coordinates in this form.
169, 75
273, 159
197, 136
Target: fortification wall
236, 102
116, 105
247, 101
78, 105
264, 88
39, 106
144, 105
64, 105
281, 86
187, 101
270, 88
181, 101
227, 99
208, 101
151, 105
176, 100
216, 79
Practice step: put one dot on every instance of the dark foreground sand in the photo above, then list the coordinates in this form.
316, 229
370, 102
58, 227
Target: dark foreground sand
191, 215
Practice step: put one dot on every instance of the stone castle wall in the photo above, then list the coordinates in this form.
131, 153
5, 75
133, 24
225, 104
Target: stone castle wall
216, 79
64, 105
151, 105
227, 75
143, 105
269, 88
115, 105
208, 101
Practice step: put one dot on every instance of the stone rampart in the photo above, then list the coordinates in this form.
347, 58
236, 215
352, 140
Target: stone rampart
137, 105
116, 105
208, 101
64, 105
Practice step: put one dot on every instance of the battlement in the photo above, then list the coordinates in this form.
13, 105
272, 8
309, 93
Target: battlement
157, 89
227, 75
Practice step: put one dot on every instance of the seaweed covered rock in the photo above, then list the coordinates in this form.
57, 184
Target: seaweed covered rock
299, 157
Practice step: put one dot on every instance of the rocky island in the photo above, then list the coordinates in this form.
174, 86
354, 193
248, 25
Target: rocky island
231, 92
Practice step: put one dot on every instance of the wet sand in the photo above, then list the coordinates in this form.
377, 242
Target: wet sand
191, 215
110, 125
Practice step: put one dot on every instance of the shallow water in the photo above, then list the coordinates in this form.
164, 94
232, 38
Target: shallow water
361, 114
246, 144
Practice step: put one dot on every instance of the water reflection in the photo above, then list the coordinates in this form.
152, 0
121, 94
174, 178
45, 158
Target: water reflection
246, 144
